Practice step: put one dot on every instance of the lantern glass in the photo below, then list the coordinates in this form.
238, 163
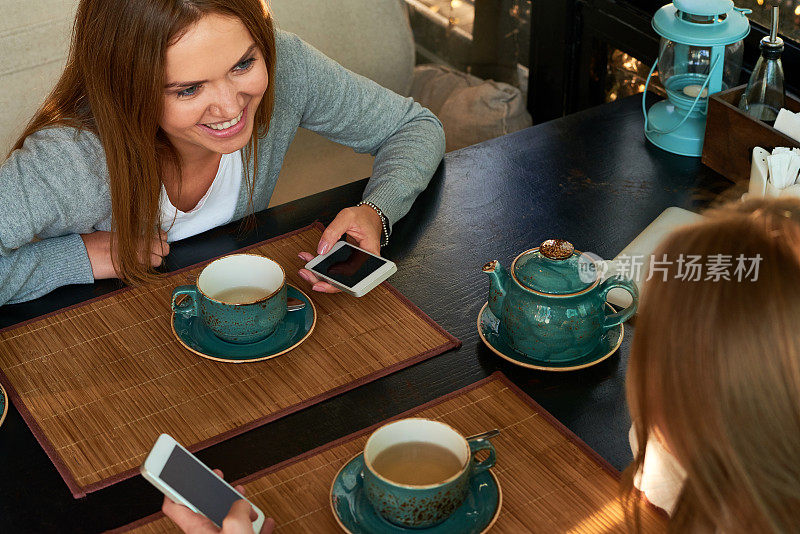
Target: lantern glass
681, 64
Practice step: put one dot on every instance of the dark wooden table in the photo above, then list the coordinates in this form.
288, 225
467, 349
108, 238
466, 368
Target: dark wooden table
589, 178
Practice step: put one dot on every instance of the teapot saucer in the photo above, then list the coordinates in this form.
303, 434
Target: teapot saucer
488, 329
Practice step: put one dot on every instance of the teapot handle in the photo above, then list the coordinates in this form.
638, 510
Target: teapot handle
613, 319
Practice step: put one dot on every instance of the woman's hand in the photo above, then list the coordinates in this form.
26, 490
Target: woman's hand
98, 247
361, 224
238, 521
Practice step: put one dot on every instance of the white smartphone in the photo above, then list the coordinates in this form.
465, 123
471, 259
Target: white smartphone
179, 475
351, 269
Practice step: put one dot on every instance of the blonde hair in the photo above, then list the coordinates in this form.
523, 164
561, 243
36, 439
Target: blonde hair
715, 371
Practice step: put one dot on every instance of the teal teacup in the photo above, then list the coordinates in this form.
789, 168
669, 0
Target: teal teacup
421, 505
241, 297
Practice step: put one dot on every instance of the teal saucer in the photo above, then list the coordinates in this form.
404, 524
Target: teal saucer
355, 514
3, 405
488, 328
193, 334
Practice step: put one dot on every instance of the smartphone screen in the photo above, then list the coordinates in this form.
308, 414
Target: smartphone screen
349, 266
197, 485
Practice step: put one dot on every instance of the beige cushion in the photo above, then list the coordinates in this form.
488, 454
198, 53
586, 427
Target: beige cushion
34, 38
471, 110
370, 37
313, 164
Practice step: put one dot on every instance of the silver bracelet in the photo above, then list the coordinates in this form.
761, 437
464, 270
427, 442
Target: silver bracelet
385, 240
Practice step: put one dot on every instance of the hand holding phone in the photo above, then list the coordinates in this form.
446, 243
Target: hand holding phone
350, 268
360, 224
238, 521
199, 498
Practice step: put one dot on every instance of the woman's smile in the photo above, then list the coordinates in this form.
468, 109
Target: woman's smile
227, 128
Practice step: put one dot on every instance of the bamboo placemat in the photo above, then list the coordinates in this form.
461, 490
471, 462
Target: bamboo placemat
98, 382
550, 480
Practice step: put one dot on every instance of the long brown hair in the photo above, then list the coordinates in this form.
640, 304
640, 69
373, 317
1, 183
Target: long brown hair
714, 371
113, 86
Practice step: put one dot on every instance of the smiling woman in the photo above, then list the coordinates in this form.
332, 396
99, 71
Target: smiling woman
174, 116
207, 116
203, 117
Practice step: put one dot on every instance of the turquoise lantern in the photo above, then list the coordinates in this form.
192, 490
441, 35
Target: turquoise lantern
700, 54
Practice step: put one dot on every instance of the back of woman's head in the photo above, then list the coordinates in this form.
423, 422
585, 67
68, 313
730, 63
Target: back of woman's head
714, 370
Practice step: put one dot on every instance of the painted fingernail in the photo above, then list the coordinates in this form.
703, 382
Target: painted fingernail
323, 247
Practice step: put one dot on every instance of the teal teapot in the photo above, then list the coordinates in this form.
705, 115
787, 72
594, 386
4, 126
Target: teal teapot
551, 304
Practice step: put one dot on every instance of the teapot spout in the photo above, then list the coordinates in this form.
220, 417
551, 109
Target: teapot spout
498, 279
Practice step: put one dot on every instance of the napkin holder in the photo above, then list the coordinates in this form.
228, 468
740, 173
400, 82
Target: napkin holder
760, 186
732, 135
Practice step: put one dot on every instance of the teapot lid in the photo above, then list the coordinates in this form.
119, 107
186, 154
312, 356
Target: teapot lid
553, 268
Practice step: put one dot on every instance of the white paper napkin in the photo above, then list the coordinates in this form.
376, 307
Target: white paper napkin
788, 123
634, 260
779, 169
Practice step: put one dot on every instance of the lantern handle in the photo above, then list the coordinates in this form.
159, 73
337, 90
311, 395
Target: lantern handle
696, 99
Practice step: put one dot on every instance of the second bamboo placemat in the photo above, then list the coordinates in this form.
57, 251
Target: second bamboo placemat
97, 383
549, 479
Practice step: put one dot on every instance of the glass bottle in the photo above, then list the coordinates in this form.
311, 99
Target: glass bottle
765, 93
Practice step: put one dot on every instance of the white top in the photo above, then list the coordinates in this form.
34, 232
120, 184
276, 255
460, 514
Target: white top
214, 209
662, 477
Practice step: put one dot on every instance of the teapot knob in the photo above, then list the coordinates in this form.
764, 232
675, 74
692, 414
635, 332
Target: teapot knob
556, 249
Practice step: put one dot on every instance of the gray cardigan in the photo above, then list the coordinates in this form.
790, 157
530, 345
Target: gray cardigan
55, 187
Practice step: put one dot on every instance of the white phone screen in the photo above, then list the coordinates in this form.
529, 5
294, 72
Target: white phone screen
188, 477
349, 266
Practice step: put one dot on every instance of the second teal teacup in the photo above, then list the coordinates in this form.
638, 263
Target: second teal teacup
399, 450
241, 297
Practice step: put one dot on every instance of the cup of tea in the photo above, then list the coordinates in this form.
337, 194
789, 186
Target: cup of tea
241, 297
417, 471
